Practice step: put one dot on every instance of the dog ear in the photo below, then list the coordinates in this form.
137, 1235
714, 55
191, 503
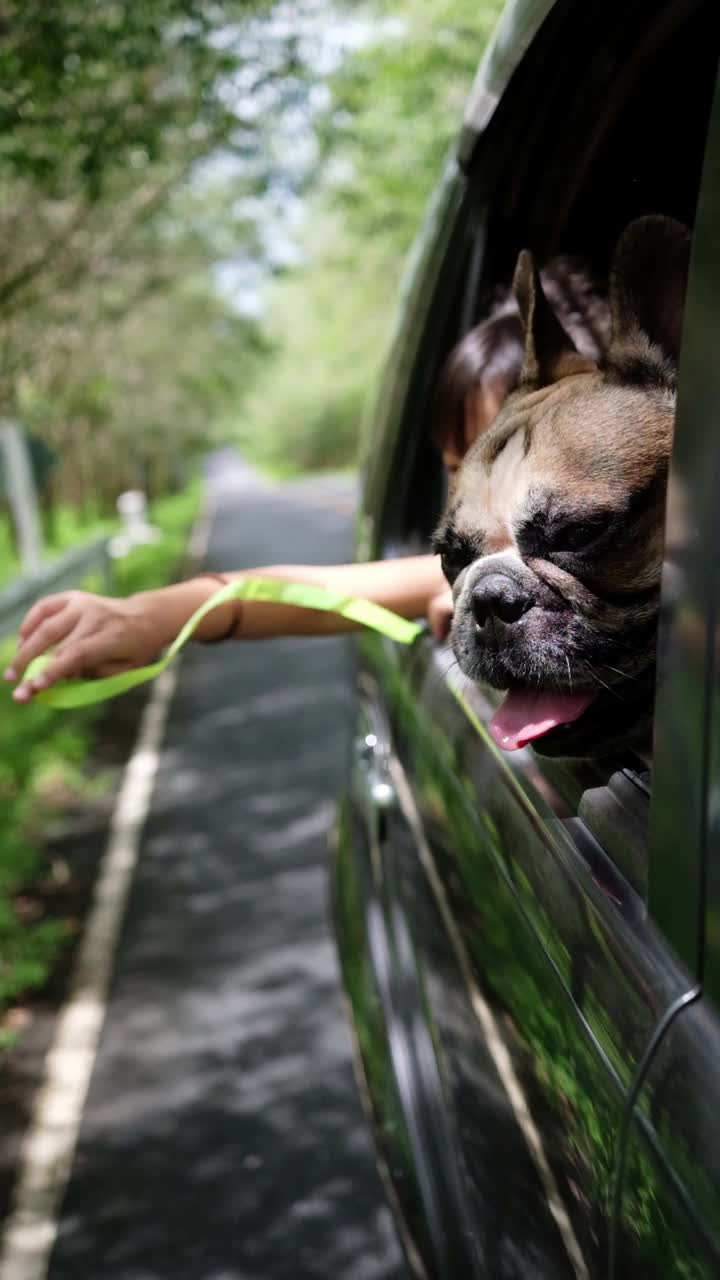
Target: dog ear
550, 353
648, 280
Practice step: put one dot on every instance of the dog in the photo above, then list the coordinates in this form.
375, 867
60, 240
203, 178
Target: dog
552, 537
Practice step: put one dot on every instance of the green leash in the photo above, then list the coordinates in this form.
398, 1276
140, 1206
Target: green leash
84, 693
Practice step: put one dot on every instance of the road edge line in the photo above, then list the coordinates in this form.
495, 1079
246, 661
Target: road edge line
48, 1148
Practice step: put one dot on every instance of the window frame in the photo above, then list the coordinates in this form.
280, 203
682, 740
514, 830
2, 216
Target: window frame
682, 894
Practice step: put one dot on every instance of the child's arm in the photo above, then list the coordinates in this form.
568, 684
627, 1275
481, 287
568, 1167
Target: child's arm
99, 635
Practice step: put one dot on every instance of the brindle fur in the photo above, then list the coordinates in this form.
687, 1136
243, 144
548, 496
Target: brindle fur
578, 442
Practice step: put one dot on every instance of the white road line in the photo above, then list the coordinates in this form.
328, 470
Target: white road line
49, 1146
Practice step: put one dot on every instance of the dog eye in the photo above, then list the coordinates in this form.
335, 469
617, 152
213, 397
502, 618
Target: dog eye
456, 556
452, 564
579, 535
456, 551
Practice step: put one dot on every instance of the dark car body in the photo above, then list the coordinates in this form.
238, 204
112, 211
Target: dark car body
531, 947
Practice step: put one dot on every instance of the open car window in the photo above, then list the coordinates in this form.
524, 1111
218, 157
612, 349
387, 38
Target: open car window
608, 167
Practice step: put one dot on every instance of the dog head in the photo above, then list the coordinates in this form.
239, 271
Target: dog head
553, 535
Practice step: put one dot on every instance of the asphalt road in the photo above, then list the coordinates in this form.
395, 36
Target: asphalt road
222, 1137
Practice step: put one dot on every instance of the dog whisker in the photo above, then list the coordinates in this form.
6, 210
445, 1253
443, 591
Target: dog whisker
626, 675
609, 688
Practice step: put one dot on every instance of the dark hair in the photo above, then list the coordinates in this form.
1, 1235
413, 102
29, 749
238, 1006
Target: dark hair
490, 357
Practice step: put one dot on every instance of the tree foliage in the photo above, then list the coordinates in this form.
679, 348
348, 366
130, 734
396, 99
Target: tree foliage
117, 347
90, 86
396, 103
143, 145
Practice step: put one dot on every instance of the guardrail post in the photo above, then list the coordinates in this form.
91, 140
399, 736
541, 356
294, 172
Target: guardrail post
22, 496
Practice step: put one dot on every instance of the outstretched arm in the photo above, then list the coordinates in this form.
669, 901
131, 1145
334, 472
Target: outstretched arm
99, 635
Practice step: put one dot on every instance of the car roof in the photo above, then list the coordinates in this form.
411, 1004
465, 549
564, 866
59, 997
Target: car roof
517, 27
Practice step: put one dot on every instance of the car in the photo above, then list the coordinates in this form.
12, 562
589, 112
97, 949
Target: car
531, 946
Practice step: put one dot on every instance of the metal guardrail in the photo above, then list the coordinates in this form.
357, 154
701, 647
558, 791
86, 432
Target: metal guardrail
58, 575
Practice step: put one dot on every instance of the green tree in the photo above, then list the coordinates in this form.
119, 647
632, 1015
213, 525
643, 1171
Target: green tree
117, 346
395, 106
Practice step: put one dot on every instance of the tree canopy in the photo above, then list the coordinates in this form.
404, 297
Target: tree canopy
92, 86
151, 156
395, 103
116, 343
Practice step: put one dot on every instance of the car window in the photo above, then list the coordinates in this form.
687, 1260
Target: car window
608, 167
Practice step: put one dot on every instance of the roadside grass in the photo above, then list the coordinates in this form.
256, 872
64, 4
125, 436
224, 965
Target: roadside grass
45, 758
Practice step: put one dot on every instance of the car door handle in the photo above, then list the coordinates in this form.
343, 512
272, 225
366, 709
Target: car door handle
373, 771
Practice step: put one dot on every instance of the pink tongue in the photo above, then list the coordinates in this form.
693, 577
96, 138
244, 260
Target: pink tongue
525, 715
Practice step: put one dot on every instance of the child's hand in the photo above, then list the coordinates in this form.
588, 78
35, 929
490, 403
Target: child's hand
440, 615
89, 635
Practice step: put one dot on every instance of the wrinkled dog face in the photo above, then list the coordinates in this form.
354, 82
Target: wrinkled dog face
553, 536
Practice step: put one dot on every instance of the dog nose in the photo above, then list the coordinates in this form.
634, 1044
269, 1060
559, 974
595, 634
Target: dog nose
498, 596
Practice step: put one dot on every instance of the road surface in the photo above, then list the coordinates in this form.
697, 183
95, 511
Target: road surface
222, 1137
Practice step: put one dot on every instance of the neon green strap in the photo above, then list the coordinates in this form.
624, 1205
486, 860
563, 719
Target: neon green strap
83, 693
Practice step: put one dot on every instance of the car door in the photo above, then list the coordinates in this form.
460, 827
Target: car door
512, 981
